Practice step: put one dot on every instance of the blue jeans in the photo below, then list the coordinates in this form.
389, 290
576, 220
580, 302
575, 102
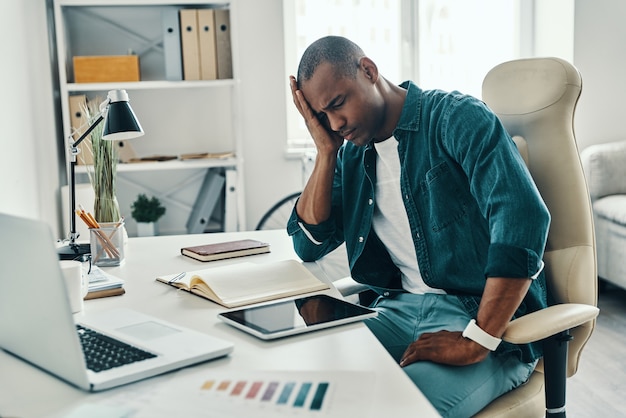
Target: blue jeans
454, 391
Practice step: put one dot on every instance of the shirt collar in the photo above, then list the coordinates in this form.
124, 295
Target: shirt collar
410, 116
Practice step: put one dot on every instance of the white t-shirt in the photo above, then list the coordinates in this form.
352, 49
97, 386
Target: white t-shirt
390, 221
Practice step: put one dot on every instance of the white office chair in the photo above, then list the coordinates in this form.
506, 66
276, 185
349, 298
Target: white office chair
535, 99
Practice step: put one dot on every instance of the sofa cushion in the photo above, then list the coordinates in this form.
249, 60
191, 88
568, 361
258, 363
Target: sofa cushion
611, 208
605, 168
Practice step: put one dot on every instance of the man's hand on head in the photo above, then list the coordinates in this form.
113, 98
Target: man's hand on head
326, 140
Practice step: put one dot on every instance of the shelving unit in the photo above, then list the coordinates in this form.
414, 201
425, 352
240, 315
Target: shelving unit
178, 117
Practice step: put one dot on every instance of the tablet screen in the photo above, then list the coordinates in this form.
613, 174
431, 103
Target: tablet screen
296, 316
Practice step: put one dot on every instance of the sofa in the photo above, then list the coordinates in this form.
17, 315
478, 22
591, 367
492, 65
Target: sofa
605, 169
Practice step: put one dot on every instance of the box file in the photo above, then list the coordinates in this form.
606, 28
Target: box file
222, 43
171, 45
189, 44
104, 69
206, 37
210, 193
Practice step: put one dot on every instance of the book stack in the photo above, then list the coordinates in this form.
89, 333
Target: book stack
197, 44
102, 284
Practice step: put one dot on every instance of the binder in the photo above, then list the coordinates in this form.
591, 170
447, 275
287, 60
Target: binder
189, 44
222, 43
206, 42
77, 104
171, 45
232, 216
209, 195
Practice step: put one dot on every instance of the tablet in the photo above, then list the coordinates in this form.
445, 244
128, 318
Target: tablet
305, 314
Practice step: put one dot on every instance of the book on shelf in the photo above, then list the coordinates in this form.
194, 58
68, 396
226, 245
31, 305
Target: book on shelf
207, 155
152, 158
228, 249
247, 283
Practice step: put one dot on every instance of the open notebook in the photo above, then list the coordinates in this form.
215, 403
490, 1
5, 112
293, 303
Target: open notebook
36, 323
247, 283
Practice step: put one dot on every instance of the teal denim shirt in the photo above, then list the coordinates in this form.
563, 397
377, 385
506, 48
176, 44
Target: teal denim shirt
472, 205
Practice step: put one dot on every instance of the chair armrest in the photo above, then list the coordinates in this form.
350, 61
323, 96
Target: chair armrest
542, 324
348, 286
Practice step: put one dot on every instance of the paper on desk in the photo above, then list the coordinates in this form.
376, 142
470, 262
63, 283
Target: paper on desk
99, 280
264, 394
246, 394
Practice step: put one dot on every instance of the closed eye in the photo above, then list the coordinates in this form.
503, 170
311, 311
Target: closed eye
338, 104
335, 103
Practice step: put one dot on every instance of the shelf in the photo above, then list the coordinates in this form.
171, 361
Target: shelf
85, 3
168, 165
147, 85
180, 115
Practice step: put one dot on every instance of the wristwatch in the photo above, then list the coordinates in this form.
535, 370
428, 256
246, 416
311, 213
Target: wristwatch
477, 334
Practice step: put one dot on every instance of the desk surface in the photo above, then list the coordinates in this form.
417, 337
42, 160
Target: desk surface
26, 391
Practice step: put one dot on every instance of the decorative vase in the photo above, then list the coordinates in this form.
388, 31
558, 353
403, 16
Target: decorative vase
146, 229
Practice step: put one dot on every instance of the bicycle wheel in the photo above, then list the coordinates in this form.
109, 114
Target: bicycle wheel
278, 215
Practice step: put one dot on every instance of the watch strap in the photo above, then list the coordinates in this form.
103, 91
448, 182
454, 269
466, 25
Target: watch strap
475, 333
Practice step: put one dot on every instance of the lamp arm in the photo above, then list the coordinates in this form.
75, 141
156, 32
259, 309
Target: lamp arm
88, 131
72, 177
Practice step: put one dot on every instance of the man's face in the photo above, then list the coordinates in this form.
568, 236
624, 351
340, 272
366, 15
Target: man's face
351, 107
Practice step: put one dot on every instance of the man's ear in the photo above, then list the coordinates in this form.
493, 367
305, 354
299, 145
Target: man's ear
369, 68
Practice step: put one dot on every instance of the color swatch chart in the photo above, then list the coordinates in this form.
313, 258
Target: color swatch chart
290, 394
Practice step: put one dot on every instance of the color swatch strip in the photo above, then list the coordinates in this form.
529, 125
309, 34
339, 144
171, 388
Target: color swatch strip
290, 394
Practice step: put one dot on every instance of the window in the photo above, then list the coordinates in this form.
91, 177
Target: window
444, 44
372, 24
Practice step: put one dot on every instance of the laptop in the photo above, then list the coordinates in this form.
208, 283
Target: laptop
37, 325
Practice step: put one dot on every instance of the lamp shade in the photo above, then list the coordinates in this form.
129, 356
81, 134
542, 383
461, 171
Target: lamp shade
120, 122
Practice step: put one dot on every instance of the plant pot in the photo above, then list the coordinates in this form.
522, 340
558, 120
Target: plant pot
146, 229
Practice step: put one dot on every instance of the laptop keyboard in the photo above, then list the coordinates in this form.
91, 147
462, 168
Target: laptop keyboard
104, 353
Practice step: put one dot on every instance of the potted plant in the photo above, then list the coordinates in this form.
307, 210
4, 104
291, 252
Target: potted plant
106, 208
146, 211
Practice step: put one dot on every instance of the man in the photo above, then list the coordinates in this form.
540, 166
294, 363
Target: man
439, 215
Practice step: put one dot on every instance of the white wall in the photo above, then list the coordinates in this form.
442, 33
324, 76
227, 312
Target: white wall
599, 52
268, 175
29, 171
28, 161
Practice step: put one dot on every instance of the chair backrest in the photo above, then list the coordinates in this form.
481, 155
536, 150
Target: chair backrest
535, 99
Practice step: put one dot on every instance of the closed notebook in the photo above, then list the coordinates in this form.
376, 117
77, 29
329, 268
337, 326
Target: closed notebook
247, 283
229, 249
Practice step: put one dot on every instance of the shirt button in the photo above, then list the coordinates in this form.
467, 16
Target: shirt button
370, 201
406, 196
361, 239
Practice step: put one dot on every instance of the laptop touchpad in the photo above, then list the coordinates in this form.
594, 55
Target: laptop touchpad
148, 330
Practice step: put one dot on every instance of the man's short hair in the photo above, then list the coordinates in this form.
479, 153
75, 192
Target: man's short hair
341, 53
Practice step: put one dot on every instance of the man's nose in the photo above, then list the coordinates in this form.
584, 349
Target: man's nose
336, 122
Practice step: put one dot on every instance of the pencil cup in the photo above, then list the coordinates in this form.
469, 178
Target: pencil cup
107, 244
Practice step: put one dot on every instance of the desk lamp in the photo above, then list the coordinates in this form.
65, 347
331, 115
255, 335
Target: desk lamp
120, 123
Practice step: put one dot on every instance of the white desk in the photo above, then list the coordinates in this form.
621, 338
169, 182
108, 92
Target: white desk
26, 391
